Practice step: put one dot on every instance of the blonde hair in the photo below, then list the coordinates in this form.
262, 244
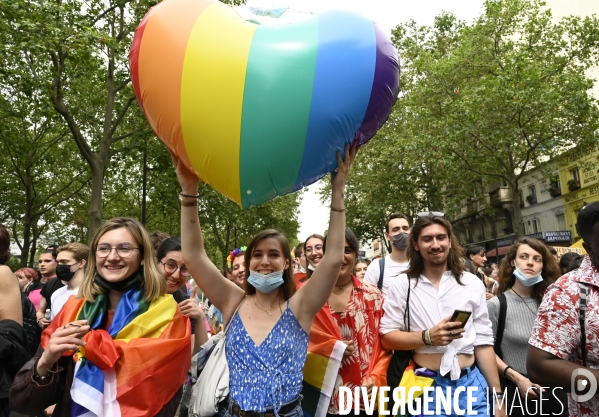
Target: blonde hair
154, 284
79, 250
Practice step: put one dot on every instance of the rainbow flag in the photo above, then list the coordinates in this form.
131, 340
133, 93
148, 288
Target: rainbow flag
137, 365
325, 352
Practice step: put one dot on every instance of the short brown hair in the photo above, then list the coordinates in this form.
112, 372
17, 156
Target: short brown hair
454, 261
551, 270
79, 250
287, 289
4, 245
154, 283
396, 216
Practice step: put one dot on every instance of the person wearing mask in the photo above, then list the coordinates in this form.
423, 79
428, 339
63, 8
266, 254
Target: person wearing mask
134, 336
397, 232
525, 273
300, 275
71, 259
267, 341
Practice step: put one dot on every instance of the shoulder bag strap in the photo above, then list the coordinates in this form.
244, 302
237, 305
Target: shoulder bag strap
407, 310
582, 308
233, 316
382, 273
500, 324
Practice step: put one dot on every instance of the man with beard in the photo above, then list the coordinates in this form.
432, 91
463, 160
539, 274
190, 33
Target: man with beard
564, 346
383, 272
455, 356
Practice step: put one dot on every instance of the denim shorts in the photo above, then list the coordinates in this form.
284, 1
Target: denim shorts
228, 411
473, 378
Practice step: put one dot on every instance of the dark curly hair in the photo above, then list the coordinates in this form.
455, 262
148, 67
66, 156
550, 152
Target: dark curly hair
551, 270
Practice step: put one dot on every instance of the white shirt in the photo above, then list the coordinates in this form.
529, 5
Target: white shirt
428, 306
59, 298
392, 271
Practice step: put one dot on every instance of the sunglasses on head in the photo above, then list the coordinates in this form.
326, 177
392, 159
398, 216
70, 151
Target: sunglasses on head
430, 213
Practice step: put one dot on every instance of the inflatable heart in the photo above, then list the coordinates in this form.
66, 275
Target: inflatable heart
259, 111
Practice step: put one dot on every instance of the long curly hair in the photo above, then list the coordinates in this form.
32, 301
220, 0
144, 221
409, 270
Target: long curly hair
551, 270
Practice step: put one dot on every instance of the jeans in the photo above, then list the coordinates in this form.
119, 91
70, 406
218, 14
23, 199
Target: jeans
228, 412
479, 406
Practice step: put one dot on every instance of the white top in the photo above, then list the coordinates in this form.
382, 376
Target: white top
392, 271
428, 306
59, 298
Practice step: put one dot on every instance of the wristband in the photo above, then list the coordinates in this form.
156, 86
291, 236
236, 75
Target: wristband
197, 196
38, 376
424, 338
428, 334
505, 372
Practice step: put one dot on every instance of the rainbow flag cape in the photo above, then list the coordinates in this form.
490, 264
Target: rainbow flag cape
411, 378
325, 352
137, 365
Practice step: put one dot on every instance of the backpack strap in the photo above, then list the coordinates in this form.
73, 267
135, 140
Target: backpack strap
382, 273
500, 324
582, 308
407, 310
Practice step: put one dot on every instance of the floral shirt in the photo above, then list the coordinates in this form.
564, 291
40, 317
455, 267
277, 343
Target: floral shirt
557, 328
358, 322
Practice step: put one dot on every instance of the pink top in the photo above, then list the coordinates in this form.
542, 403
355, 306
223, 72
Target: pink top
35, 298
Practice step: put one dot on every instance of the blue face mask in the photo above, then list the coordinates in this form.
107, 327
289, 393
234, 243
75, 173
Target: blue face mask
527, 281
302, 270
266, 283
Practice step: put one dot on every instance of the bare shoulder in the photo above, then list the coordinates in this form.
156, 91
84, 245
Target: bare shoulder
7, 278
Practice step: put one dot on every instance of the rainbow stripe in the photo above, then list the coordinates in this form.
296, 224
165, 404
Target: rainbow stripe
136, 366
260, 111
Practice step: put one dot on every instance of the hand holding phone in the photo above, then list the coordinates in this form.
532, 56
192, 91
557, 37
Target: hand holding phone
462, 316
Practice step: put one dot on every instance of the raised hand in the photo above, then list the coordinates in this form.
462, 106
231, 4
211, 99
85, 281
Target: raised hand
191, 308
188, 179
339, 177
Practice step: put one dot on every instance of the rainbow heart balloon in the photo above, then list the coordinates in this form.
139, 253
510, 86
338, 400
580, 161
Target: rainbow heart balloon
258, 110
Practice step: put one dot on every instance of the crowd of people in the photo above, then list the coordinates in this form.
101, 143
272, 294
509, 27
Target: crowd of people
111, 329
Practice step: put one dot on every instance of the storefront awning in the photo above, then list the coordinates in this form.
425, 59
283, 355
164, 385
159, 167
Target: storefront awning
502, 251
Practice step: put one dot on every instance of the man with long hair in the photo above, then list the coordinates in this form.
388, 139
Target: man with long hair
456, 356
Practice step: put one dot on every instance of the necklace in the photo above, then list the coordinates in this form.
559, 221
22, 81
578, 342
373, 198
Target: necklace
343, 285
525, 303
267, 311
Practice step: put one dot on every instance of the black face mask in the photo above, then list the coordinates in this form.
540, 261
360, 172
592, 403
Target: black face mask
136, 279
63, 272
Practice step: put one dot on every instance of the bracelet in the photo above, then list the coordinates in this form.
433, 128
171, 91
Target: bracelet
341, 210
428, 334
424, 338
38, 376
505, 371
189, 196
189, 203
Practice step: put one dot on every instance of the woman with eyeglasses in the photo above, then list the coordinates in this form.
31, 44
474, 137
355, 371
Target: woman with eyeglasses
136, 340
267, 341
313, 251
173, 269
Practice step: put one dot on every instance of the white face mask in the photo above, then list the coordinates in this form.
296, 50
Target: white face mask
525, 280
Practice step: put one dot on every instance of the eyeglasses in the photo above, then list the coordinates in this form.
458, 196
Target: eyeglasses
172, 267
430, 213
45, 261
124, 250
317, 248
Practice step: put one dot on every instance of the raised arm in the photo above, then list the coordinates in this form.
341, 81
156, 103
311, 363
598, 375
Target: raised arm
220, 291
311, 297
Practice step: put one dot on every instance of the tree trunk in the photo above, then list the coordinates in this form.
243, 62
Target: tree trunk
26, 241
517, 213
95, 204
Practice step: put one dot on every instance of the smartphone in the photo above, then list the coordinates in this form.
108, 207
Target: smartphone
461, 316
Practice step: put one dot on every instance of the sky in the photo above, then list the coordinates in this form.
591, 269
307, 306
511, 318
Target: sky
313, 216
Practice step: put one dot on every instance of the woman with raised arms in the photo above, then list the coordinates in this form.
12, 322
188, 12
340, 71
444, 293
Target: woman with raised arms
267, 342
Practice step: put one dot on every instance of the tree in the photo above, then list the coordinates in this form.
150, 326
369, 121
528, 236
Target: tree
508, 92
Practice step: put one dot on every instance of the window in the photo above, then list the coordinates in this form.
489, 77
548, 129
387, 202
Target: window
532, 191
536, 226
561, 221
574, 174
